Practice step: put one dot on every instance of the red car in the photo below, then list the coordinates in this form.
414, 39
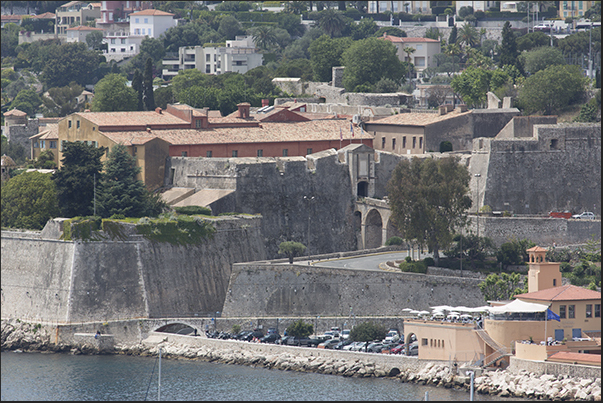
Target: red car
399, 349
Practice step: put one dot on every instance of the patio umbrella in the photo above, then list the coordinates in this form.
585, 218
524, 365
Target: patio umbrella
453, 313
407, 309
443, 307
423, 313
413, 312
438, 315
466, 316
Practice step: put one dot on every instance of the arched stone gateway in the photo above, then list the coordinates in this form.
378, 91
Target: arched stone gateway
373, 229
178, 328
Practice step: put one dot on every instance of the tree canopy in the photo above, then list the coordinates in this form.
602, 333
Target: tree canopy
368, 331
300, 329
69, 62
113, 94
120, 192
75, 180
29, 200
552, 89
291, 249
326, 53
508, 48
429, 200
62, 101
474, 83
501, 287
541, 58
368, 60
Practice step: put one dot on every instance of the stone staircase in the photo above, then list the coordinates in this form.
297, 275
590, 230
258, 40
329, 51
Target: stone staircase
499, 351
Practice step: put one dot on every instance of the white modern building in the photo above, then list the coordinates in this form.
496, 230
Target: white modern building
78, 34
239, 56
411, 7
75, 13
151, 23
424, 51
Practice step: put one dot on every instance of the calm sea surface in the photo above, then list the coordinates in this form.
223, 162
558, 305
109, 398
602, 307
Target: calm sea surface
36, 376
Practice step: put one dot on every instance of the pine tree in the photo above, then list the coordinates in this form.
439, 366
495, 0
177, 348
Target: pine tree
509, 55
75, 180
120, 191
138, 87
148, 97
452, 37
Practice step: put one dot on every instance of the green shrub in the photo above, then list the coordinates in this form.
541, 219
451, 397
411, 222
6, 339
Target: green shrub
300, 329
236, 329
445, 146
395, 240
117, 217
193, 210
413, 267
368, 331
429, 261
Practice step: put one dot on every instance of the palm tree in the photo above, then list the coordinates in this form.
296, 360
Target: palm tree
482, 34
467, 36
264, 36
332, 22
409, 51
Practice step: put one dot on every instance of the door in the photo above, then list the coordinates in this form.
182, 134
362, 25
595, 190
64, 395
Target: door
576, 333
559, 334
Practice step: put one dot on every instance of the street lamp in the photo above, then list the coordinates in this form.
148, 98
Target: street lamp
477, 202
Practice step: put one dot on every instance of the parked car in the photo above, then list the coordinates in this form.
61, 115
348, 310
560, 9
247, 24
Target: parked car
351, 346
342, 344
359, 346
392, 336
272, 330
345, 334
270, 338
328, 343
374, 347
387, 346
243, 334
413, 349
587, 215
298, 341
284, 340
397, 349
560, 214
315, 341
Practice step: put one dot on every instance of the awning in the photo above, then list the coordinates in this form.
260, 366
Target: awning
518, 306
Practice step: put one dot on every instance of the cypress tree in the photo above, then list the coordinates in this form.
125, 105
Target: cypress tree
138, 87
509, 55
452, 37
149, 98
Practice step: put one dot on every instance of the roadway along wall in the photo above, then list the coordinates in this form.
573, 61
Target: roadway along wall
257, 289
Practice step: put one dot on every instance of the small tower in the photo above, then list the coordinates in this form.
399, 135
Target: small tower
542, 274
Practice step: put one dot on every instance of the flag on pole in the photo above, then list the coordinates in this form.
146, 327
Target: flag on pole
352, 128
340, 134
550, 315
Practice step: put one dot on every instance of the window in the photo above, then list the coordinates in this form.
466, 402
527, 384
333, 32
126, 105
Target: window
423, 342
419, 47
260, 153
134, 150
235, 153
123, 41
308, 151
143, 31
36, 144
53, 144
146, 21
69, 125
554, 143
112, 41
393, 144
150, 32
123, 50
571, 312
197, 123
285, 152
421, 142
207, 69
419, 61
562, 309
215, 58
208, 154
208, 58
184, 153
414, 142
554, 282
382, 142
597, 310
77, 124
63, 144
43, 144
93, 128
137, 31
137, 20
589, 310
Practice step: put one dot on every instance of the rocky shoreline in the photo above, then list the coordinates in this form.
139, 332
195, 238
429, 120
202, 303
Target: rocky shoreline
29, 337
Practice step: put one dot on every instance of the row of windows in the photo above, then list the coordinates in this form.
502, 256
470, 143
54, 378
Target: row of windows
433, 343
42, 144
137, 20
570, 311
137, 31
414, 142
235, 153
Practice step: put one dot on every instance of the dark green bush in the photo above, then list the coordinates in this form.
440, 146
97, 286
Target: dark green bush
429, 261
395, 240
193, 210
368, 331
413, 267
117, 217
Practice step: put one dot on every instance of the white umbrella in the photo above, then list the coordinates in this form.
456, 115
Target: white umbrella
423, 313
466, 316
453, 314
443, 307
413, 312
438, 315
407, 309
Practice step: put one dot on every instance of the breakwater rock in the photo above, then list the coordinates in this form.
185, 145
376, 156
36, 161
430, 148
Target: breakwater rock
18, 335
499, 382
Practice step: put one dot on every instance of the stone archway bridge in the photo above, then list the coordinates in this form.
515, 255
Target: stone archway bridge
373, 218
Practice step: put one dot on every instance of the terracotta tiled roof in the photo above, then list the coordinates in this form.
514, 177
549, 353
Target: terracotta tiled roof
50, 132
417, 119
298, 131
7, 161
84, 28
536, 249
151, 11
130, 138
564, 293
15, 112
214, 114
318, 116
46, 15
397, 39
578, 357
108, 119
12, 17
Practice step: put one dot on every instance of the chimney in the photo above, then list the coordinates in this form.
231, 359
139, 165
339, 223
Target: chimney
158, 110
265, 102
443, 109
462, 108
244, 109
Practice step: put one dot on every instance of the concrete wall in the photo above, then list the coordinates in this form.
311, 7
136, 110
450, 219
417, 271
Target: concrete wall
278, 289
554, 368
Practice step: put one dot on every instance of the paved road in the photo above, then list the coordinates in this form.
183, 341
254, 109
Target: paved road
367, 262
